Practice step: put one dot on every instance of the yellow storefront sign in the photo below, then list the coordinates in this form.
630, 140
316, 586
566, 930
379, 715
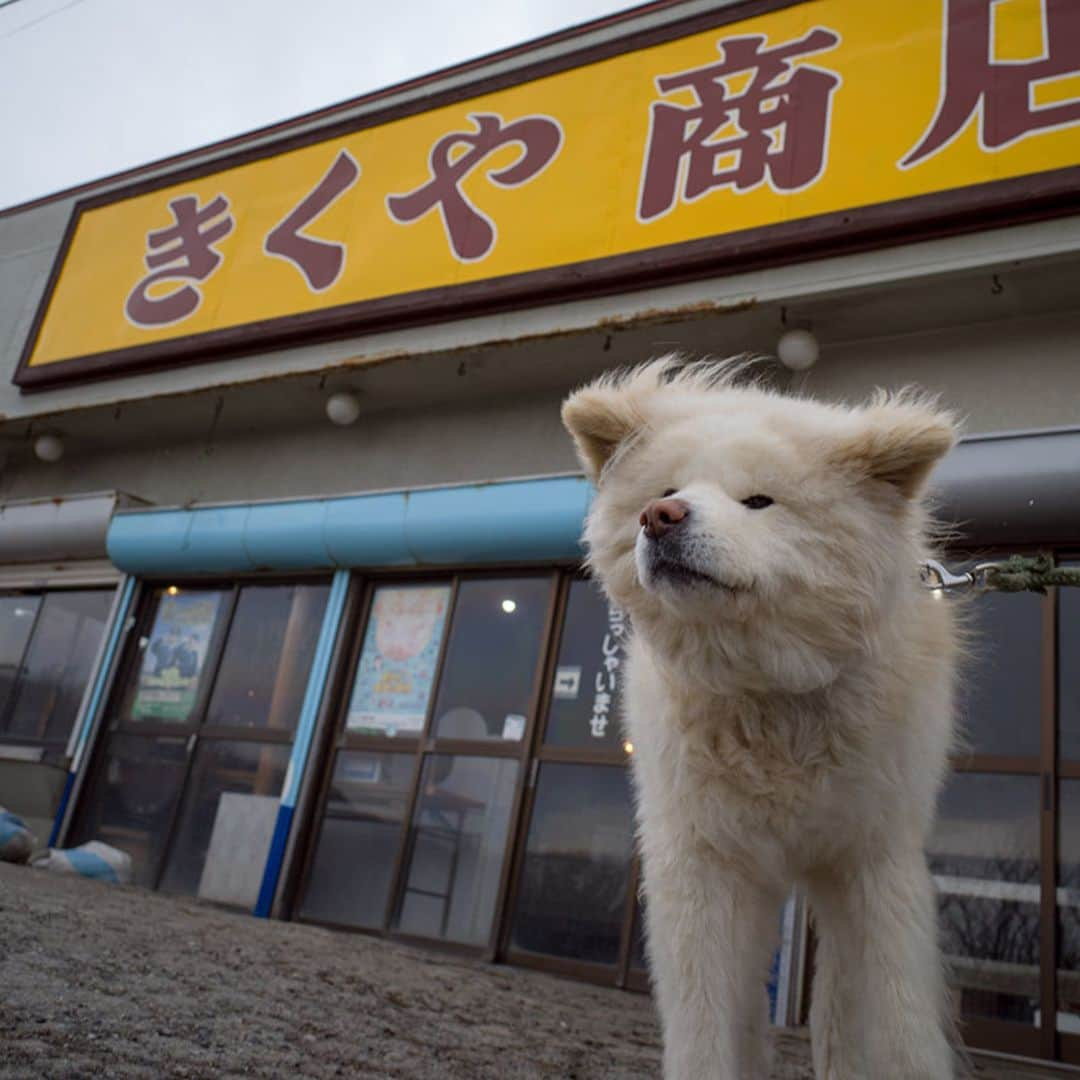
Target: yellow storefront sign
808, 125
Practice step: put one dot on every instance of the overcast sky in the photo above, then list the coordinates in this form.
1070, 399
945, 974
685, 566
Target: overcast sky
91, 87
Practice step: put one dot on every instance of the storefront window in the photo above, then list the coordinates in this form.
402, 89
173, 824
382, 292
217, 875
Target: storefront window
165, 688
457, 840
586, 688
226, 670
351, 873
267, 657
491, 658
41, 687
572, 896
984, 856
396, 670
226, 822
1000, 689
17, 614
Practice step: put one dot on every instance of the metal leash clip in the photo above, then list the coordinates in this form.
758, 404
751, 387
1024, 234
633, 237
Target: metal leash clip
937, 576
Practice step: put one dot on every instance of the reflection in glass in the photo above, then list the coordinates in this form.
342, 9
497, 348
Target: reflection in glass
572, 897
984, 856
396, 669
132, 797
491, 658
587, 684
226, 822
57, 664
1068, 907
267, 658
165, 688
1000, 695
17, 615
351, 873
1068, 666
456, 844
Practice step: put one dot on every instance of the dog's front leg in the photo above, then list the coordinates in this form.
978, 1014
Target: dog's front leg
879, 998
712, 930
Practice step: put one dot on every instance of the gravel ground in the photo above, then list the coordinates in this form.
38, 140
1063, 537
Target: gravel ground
110, 981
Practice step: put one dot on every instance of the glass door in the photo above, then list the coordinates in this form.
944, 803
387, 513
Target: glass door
572, 896
188, 778
426, 778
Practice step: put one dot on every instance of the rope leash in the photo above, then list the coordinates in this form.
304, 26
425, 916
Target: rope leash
1017, 573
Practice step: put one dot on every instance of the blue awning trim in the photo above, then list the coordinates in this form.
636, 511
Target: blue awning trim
511, 521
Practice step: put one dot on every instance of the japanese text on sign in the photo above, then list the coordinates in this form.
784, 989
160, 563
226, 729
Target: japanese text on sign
606, 684
750, 125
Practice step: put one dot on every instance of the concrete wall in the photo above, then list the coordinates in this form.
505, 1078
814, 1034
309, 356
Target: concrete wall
501, 418
506, 438
1001, 375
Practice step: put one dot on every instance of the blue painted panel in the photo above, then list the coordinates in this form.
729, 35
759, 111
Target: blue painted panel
367, 530
265, 902
287, 535
177, 541
515, 521
142, 543
215, 539
54, 833
316, 684
541, 519
305, 728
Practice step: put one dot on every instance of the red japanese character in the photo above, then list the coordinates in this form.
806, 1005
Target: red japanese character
471, 232
320, 261
1000, 91
775, 128
181, 252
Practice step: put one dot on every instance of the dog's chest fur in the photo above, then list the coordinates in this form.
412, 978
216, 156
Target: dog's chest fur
784, 776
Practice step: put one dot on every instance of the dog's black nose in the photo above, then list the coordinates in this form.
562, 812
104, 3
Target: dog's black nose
662, 515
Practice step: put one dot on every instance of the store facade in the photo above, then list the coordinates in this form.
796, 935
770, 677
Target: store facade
354, 673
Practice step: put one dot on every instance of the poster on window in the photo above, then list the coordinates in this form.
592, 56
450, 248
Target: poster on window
396, 673
173, 657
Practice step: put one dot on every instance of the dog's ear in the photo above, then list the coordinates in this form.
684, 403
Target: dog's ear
898, 440
599, 417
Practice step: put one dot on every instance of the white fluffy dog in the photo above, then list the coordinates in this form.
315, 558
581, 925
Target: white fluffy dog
789, 698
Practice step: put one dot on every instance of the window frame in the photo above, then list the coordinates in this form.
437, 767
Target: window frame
425, 744
7, 739
1006, 1036
619, 973
194, 729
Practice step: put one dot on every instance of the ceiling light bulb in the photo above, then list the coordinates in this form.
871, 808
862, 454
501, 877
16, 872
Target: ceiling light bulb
342, 409
797, 349
509, 606
49, 448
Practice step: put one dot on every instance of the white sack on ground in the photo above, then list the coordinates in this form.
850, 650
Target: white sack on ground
93, 860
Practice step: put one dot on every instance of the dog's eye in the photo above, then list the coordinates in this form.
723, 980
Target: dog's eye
667, 494
757, 502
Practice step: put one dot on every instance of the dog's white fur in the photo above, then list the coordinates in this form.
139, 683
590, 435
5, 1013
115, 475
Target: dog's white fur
791, 722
